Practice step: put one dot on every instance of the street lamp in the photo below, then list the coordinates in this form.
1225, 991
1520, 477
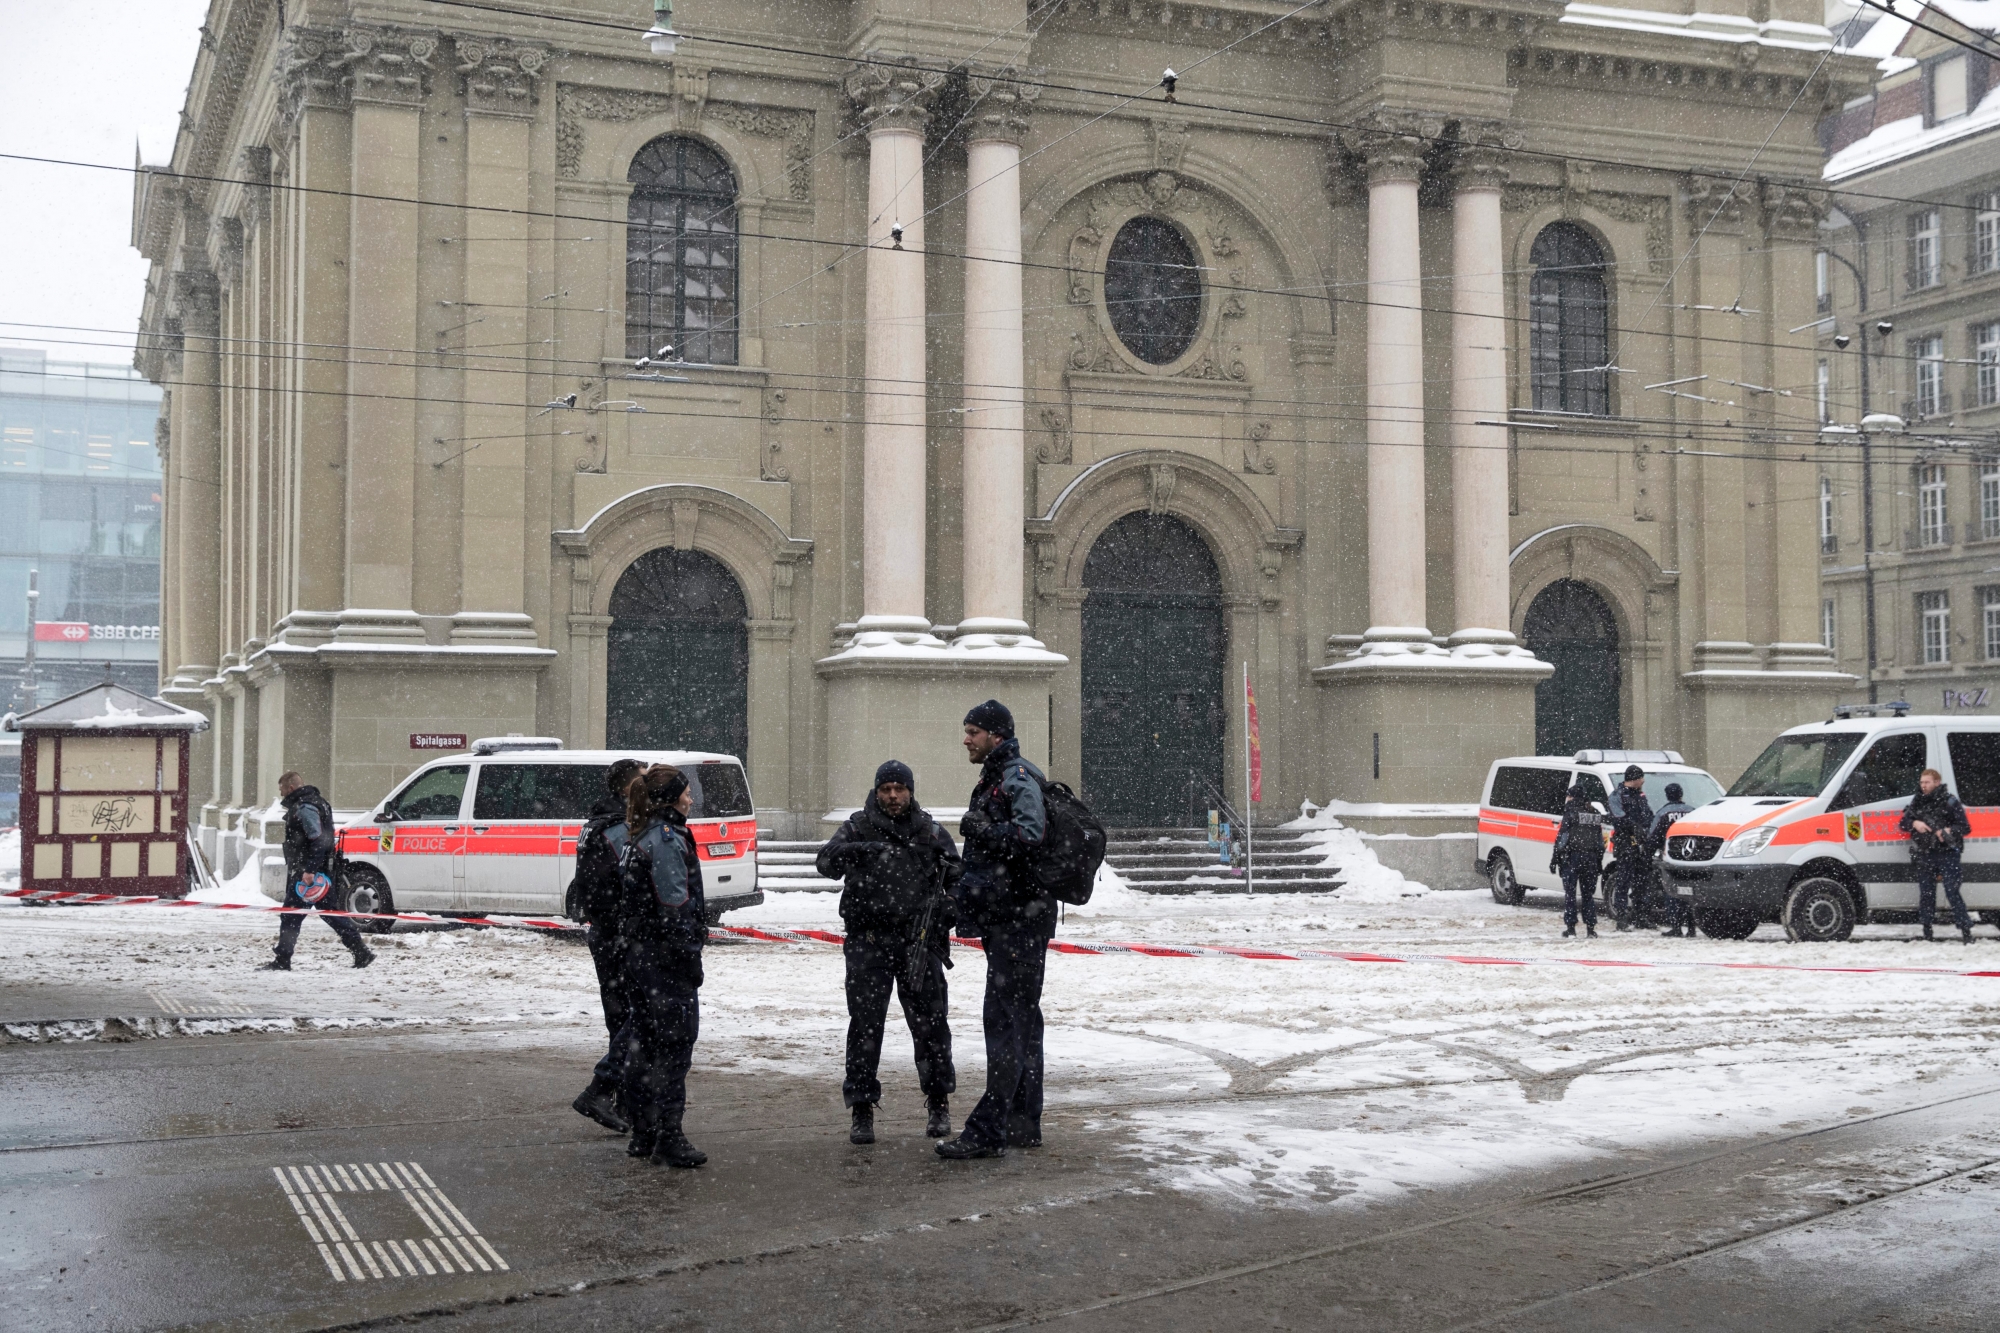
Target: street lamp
661, 37
1871, 423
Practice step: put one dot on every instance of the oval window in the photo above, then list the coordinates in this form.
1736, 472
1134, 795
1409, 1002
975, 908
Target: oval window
1152, 290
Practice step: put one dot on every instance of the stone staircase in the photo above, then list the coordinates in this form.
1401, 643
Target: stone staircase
1150, 860
1171, 860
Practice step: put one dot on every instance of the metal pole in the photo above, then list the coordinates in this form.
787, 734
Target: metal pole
30, 687
1867, 517
1249, 860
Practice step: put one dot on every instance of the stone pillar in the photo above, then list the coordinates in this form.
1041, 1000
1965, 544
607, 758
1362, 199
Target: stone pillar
198, 457
995, 369
894, 103
1396, 544
1479, 394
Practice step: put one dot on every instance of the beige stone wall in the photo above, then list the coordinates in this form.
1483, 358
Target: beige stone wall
379, 527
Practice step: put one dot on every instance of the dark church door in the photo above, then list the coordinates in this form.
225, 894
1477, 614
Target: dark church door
1153, 665
679, 656
1569, 626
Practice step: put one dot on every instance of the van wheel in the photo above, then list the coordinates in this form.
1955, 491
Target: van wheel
367, 891
1500, 878
1818, 911
1724, 923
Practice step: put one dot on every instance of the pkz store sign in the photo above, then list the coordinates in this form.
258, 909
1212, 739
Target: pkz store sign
1962, 699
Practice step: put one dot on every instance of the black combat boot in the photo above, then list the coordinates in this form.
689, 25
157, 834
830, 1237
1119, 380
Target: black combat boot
601, 1108
363, 956
277, 965
1966, 931
939, 1124
862, 1131
674, 1149
1569, 932
962, 1149
642, 1143
1927, 933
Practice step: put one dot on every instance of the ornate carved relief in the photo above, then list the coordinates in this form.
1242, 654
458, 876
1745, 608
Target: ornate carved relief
1256, 458
500, 77
1160, 482
1170, 143
1713, 202
894, 91
769, 468
1002, 103
325, 67
1057, 448
683, 516
1392, 144
576, 103
1650, 210
1793, 213
690, 95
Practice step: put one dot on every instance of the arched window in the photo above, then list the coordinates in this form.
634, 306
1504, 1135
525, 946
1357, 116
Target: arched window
680, 253
1569, 343
1152, 290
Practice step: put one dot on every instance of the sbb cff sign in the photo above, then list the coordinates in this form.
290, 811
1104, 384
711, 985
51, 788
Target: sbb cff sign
437, 740
78, 631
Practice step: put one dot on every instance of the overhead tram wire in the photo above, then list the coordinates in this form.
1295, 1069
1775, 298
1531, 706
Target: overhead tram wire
1182, 101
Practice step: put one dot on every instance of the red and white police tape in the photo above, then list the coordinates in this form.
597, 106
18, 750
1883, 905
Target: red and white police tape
780, 935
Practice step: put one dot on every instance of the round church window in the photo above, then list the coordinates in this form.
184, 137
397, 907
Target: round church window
1152, 290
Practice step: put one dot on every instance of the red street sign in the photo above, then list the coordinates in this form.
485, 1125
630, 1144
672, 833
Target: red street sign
437, 740
62, 631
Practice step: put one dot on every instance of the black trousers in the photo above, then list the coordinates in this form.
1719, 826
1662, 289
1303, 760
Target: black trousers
875, 965
1930, 869
289, 924
607, 956
1635, 888
663, 994
1016, 957
1580, 878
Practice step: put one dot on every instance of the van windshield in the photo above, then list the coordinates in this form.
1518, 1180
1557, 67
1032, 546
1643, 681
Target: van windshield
1696, 788
1797, 765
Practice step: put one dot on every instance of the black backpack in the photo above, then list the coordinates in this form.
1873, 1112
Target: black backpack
1065, 865
598, 889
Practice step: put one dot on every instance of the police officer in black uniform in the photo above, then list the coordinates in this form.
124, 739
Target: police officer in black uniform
897, 863
1631, 845
1004, 824
309, 845
1679, 914
1579, 858
596, 895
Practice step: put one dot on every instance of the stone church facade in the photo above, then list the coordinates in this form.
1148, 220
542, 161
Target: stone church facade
856, 362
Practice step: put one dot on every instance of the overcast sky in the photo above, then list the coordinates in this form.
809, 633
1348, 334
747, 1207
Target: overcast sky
83, 79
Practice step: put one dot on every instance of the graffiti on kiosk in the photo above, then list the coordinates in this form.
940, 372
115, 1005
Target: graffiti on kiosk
114, 814
1965, 698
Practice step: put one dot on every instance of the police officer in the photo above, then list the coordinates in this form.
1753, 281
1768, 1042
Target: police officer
1938, 827
1631, 827
662, 927
596, 897
1005, 821
309, 844
1679, 914
898, 866
1578, 858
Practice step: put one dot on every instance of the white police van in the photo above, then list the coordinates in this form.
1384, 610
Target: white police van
1522, 804
495, 830
1808, 836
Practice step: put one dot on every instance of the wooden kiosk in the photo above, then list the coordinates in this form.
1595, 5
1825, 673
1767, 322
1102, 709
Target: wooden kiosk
104, 781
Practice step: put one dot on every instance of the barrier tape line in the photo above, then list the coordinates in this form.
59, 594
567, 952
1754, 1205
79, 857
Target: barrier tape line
781, 935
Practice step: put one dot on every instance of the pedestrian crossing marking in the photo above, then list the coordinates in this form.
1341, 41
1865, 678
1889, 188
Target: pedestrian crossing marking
453, 1244
193, 1007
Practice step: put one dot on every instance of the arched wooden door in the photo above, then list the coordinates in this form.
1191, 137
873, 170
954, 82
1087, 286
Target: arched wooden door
1154, 650
679, 656
1569, 626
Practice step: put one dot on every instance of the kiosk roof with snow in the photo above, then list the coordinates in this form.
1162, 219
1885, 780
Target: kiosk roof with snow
109, 706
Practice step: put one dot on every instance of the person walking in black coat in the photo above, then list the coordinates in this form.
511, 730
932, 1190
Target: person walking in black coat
1678, 913
662, 925
309, 844
1578, 858
1938, 828
897, 863
1631, 826
1005, 822
595, 894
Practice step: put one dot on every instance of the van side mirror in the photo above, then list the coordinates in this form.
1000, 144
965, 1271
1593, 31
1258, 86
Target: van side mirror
1599, 807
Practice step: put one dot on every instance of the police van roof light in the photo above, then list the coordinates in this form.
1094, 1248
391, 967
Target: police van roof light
504, 744
1628, 757
1894, 708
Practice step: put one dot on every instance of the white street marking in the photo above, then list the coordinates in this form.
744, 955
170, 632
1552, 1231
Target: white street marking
454, 1245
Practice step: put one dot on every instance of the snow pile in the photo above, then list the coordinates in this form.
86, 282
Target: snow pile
1363, 878
114, 716
10, 860
242, 887
1110, 895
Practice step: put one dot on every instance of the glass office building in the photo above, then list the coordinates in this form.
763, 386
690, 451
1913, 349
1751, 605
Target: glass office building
80, 503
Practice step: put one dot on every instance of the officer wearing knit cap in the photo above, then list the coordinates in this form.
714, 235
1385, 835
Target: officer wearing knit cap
1005, 821
895, 861
1631, 833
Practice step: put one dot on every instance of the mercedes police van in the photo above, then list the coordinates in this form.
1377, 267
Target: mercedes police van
1808, 836
495, 829
1522, 805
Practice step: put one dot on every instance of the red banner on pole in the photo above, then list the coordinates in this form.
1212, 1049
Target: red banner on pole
1256, 743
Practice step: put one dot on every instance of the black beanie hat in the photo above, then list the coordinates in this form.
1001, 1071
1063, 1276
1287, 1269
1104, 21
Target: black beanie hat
895, 770
992, 716
1673, 791
1634, 771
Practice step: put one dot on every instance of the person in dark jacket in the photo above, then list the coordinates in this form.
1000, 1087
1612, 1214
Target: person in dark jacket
1005, 821
1631, 825
1938, 828
309, 846
1578, 858
596, 892
896, 862
662, 926
1679, 914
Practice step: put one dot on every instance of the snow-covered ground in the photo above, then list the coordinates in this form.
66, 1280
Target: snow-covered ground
1296, 1083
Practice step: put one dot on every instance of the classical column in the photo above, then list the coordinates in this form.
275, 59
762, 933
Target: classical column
995, 368
198, 456
1479, 394
894, 103
1395, 411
